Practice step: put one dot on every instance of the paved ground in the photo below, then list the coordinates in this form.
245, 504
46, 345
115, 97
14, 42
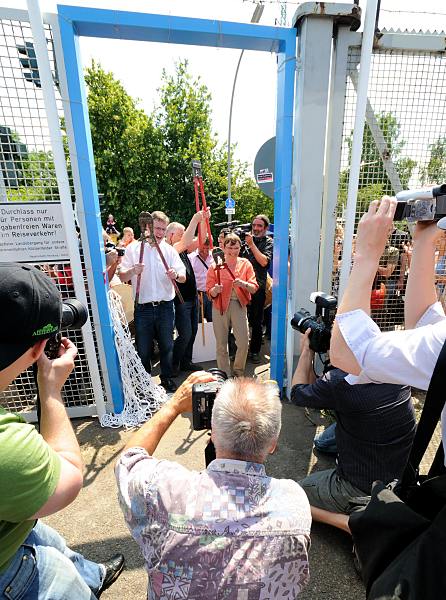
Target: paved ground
94, 526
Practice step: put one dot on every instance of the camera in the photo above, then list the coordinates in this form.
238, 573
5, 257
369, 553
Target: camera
428, 204
235, 227
203, 396
74, 316
320, 323
111, 246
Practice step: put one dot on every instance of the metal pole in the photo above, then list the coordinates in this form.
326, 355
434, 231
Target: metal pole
46, 77
229, 129
254, 19
358, 131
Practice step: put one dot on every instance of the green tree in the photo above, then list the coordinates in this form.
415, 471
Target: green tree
129, 155
372, 171
435, 171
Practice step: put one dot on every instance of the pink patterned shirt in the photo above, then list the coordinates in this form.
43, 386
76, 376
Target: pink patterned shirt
229, 532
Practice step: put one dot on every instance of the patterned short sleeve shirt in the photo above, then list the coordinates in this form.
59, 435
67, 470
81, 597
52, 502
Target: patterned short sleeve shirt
229, 532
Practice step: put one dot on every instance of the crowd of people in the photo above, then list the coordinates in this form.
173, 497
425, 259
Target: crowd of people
172, 301
229, 531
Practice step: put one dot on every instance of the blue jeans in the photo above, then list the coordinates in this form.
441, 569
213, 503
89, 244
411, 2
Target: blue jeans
326, 441
155, 322
44, 568
186, 322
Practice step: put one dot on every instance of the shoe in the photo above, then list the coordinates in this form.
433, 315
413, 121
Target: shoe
254, 357
113, 569
190, 366
169, 385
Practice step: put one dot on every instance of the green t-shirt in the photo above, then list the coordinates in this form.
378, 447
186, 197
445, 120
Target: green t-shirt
29, 472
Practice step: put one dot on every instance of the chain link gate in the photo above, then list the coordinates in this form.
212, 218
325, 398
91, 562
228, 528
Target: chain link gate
404, 145
27, 174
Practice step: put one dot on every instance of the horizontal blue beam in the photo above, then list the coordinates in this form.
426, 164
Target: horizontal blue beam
123, 25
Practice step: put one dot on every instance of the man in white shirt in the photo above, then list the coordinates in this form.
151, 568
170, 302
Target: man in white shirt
357, 344
154, 313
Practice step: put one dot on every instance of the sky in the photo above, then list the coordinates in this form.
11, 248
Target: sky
138, 65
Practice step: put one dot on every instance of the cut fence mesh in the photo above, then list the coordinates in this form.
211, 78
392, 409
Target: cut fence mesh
142, 397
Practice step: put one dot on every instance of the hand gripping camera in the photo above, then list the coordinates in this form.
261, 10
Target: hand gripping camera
428, 204
320, 323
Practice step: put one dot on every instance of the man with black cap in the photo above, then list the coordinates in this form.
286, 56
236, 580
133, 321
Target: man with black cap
40, 474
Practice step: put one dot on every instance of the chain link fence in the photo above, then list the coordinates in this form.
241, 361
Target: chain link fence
27, 174
404, 146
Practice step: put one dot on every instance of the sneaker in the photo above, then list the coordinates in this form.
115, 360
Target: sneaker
169, 385
113, 569
190, 366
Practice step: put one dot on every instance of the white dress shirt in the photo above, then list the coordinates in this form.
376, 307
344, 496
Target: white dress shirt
155, 284
405, 357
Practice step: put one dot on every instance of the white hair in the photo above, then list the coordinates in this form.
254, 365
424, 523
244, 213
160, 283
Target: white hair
172, 228
246, 417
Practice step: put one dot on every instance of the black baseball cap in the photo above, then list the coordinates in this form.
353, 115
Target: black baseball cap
30, 307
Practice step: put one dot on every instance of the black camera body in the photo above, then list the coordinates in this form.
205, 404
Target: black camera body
203, 396
427, 204
240, 229
320, 323
111, 246
74, 316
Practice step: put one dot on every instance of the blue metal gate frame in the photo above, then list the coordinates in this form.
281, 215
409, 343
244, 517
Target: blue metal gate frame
75, 22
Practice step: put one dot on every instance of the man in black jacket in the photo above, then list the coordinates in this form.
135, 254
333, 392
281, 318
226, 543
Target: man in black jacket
374, 433
259, 251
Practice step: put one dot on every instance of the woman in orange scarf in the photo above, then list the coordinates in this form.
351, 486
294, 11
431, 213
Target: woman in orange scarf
230, 288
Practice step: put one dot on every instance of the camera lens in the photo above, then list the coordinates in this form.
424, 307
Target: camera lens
74, 314
218, 374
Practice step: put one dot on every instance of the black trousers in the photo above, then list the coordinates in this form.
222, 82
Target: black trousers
255, 317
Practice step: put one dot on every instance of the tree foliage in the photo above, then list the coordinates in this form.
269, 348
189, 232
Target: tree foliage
145, 162
435, 171
127, 147
372, 171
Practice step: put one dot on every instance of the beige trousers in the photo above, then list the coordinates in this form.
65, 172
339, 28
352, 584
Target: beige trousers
235, 317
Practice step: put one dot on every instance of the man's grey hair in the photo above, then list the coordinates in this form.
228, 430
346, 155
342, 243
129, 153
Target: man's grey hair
246, 417
172, 227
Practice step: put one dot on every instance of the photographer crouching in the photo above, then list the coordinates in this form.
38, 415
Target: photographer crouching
40, 474
229, 530
375, 424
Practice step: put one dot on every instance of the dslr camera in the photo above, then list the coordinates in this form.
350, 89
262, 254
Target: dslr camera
428, 204
203, 396
320, 323
74, 316
111, 246
235, 227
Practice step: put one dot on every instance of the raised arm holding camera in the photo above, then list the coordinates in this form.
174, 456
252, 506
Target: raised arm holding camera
401, 357
40, 474
230, 530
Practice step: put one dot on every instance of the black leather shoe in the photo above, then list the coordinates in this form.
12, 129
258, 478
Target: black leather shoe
169, 385
190, 366
255, 358
113, 569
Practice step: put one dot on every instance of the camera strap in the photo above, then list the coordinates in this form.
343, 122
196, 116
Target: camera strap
433, 406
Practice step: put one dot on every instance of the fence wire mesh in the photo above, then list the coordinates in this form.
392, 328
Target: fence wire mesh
404, 146
27, 174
